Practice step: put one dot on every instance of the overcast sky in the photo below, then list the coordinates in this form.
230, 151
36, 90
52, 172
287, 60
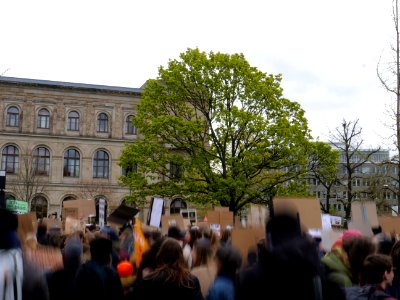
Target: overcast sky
327, 51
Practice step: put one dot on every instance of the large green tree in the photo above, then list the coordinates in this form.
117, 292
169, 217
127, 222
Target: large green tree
215, 130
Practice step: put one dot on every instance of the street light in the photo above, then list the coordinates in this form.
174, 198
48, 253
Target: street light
2, 188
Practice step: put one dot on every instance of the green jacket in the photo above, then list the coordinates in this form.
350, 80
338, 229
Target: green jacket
336, 269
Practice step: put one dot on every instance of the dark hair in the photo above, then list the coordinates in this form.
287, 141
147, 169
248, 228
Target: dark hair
282, 228
203, 251
171, 266
230, 260
357, 249
374, 268
100, 250
395, 254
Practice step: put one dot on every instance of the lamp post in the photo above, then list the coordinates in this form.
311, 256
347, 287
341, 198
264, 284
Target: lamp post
2, 189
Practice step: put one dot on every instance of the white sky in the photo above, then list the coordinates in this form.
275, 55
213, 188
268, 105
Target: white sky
327, 51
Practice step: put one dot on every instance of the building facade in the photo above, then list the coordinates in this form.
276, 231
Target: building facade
370, 182
61, 141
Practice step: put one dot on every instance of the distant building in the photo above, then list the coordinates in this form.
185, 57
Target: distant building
370, 181
68, 137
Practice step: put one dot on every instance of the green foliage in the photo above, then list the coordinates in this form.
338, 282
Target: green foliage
226, 124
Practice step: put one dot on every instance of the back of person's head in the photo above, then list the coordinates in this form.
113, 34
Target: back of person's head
377, 230
395, 254
229, 260
357, 249
282, 228
73, 251
175, 233
202, 252
374, 268
170, 253
8, 229
100, 250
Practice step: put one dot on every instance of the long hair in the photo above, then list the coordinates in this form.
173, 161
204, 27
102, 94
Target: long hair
171, 266
203, 252
395, 254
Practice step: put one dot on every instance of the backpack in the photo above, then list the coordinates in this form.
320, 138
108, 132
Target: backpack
11, 274
368, 292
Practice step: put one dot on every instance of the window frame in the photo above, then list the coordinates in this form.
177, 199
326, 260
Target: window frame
12, 118
43, 121
10, 159
73, 121
71, 163
41, 163
129, 127
102, 123
101, 165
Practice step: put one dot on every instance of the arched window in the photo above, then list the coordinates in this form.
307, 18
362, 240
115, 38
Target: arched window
12, 117
129, 127
41, 161
67, 198
102, 123
73, 121
176, 206
71, 163
43, 119
100, 164
10, 159
39, 205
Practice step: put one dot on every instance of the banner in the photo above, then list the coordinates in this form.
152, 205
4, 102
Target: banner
17, 206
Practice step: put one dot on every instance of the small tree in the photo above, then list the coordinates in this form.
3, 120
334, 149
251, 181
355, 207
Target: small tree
323, 167
347, 139
28, 182
390, 79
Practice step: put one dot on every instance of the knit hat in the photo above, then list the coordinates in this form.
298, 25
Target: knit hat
125, 269
351, 234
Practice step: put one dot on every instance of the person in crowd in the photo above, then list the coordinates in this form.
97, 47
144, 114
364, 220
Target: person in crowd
204, 266
343, 264
171, 279
191, 235
11, 263
61, 282
228, 261
385, 242
176, 233
395, 255
288, 266
226, 236
96, 279
377, 277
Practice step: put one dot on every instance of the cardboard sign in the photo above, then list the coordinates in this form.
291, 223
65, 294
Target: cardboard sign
390, 224
85, 208
257, 216
73, 225
308, 208
222, 217
245, 239
364, 228
27, 224
71, 212
364, 213
171, 220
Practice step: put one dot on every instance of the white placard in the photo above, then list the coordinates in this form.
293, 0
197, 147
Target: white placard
156, 212
102, 205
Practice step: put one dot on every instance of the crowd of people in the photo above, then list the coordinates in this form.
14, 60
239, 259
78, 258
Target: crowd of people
194, 263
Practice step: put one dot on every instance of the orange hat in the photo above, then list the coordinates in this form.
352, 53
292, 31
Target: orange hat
125, 269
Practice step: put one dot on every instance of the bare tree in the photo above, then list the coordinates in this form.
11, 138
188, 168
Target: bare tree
347, 139
390, 79
28, 181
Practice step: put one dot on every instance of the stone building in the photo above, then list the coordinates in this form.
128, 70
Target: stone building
61, 141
